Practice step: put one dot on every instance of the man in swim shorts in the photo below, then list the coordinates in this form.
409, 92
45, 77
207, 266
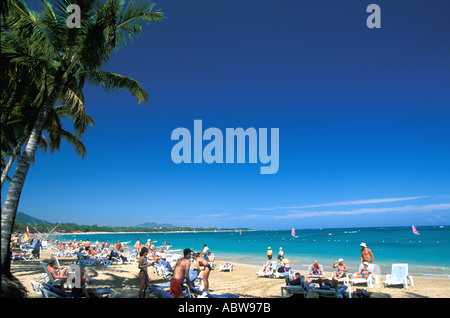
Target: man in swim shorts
269, 253
366, 254
180, 273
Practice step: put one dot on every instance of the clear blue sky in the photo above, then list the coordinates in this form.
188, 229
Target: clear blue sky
363, 115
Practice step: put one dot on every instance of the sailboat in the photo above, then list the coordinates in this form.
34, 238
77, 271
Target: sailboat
415, 230
293, 233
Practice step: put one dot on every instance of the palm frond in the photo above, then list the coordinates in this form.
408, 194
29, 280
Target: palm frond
113, 82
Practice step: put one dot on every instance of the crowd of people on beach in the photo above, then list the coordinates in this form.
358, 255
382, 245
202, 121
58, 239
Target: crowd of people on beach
146, 254
339, 268
203, 260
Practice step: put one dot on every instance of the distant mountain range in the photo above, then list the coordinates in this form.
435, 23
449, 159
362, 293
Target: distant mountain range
153, 224
25, 218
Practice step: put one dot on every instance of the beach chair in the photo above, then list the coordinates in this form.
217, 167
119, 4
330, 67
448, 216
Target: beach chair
162, 270
226, 267
370, 280
344, 279
101, 260
131, 257
315, 277
28, 254
266, 273
162, 291
37, 283
49, 291
49, 278
198, 293
84, 261
289, 289
323, 293
399, 276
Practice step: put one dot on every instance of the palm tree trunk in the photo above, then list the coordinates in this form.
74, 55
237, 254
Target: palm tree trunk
15, 188
11, 160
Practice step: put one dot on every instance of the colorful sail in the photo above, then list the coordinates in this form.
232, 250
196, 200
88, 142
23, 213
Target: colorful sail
293, 233
415, 230
27, 235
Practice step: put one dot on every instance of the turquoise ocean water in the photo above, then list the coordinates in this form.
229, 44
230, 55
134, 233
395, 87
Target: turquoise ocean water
426, 254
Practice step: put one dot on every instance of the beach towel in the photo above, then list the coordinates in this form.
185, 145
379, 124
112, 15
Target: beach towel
209, 295
399, 272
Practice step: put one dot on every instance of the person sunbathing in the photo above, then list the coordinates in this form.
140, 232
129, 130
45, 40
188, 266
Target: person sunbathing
62, 272
315, 270
267, 268
341, 269
364, 272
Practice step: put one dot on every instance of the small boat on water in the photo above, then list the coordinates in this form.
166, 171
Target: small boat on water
415, 230
293, 233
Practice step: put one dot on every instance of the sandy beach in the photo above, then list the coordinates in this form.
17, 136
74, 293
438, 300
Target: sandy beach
123, 279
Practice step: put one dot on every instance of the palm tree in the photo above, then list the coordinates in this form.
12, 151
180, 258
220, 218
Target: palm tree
75, 57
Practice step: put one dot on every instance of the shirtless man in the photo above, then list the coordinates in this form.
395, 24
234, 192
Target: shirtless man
62, 272
366, 254
181, 272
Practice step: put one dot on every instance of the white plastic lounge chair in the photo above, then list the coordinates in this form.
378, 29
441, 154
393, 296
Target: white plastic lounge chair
277, 274
322, 293
344, 279
266, 273
199, 293
226, 267
163, 271
369, 281
49, 291
292, 290
162, 290
313, 277
49, 278
82, 260
37, 284
399, 276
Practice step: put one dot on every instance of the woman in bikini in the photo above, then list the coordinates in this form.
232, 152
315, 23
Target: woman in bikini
315, 271
364, 272
341, 269
207, 268
143, 273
